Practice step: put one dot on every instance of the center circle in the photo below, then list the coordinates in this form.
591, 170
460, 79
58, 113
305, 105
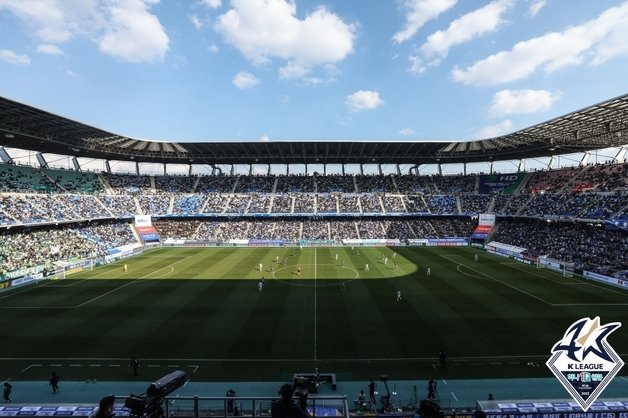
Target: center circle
289, 276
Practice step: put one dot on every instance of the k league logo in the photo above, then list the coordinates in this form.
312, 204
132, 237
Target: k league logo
583, 361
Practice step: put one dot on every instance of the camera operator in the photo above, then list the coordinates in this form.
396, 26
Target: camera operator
286, 407
105, 408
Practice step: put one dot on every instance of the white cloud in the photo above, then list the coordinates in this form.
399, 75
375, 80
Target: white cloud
122, 28
595, 41
213, 48
406, 132
212, 4
46, 18
264, 138
493, 131
244, 80
133, 33
507, 102
473, 24
263, 30
14, 58
196, 21
363, 100
419, 12
416, 65
535, 7
49, 49
293, 70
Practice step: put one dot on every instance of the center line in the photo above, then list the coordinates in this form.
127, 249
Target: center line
315, 325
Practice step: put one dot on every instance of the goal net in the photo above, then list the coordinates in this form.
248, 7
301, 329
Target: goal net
559, 266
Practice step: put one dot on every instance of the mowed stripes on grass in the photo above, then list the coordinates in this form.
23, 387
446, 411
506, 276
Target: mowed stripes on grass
199, 309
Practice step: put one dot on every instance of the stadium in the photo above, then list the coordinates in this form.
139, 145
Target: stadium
355, 273
167, 267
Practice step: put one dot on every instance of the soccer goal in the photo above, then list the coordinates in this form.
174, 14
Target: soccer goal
559, 266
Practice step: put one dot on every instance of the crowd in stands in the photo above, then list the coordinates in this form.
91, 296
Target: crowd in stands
370, 203
187, 204
547, 194
175, 184
335, 183
297, 183
282, 204
176, 228
108, 235
157, 204
120, 205
303, 203
588, 246
18, 178
215, 184
129, 183
48, 196
326, 203
74, 181
37, 250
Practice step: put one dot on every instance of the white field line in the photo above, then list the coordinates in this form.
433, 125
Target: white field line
516, 267
253, 360
499, 281
31, 365
578, 282
537, 297
130, 283
315, 307
80, 281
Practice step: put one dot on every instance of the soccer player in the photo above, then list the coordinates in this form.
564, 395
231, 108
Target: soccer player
260, 266
385, 260
366, 267
475, 257
336, 256
394, 254
428, 271
260, 286
124, 268
398, 296
298, 269
342, 263
396, 266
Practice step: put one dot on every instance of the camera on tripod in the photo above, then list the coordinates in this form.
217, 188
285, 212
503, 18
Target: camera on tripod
149, 404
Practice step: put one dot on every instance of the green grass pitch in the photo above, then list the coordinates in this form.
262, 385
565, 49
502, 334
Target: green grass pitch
199, 310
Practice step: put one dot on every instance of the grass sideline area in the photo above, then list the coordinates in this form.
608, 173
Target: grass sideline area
199, 310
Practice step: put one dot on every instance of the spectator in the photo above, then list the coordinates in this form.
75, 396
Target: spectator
285, 407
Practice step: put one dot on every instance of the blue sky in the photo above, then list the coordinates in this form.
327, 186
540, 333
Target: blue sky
203, 70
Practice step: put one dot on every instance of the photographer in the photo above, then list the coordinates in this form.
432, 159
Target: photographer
286, 407
105, 408
230, 394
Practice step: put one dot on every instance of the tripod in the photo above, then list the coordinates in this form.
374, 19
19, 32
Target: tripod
414, 399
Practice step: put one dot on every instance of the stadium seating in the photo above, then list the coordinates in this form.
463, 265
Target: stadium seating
370, 206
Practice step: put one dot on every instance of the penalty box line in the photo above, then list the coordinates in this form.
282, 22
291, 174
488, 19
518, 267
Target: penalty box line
534, 296
499, 281
146, 276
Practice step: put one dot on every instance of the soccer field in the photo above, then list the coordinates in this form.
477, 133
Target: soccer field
199, 310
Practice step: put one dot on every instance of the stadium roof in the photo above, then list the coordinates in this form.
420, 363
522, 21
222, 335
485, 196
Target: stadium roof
599, 126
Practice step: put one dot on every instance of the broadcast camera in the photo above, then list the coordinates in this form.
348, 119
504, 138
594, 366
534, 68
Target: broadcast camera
149, 404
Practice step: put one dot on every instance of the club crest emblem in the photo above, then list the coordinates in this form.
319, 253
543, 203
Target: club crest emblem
583, 361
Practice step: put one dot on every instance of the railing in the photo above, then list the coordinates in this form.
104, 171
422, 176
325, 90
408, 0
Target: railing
246, 406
